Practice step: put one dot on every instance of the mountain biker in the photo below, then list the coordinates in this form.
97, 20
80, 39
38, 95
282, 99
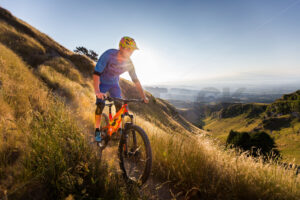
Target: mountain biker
110, 65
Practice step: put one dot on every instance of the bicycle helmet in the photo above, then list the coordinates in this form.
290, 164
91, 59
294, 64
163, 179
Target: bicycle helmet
127, 43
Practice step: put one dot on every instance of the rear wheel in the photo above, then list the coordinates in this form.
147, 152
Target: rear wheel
135, 155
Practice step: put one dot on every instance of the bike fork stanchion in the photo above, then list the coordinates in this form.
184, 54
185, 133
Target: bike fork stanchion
123, 124
123, 134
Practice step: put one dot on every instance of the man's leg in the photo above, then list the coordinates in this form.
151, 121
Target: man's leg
100, 106
98, 112
115, 91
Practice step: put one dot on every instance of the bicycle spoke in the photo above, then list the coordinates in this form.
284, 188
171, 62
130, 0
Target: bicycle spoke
136, 163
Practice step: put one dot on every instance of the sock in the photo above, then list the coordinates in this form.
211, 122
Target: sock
97, 130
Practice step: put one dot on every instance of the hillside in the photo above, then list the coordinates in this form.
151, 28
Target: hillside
46, 55
38, 76
281, 119
47, 107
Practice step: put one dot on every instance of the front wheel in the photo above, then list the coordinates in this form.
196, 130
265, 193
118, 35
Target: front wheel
135, 154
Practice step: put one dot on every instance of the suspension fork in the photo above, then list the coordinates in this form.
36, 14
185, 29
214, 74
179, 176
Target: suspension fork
124, 134
133, 134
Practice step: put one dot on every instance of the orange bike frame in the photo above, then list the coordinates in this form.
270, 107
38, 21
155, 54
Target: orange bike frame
115, 121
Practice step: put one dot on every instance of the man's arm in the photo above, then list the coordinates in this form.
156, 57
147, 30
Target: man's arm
140, 89
96, 79
99, 68
137, 83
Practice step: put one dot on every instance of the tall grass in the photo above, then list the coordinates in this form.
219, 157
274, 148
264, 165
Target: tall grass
80, 98
84, 64
43, 151
22, 44
65, 67
202, 169
52, 46
61, 161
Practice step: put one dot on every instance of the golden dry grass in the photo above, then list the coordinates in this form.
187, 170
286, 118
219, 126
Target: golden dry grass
79, 98
65, 67
43, 151
84, 64
287, 139
199, 166
27, 47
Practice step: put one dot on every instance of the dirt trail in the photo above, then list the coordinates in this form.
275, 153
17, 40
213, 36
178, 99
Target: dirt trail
153, 189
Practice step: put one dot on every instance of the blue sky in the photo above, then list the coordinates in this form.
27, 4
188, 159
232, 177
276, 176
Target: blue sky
182, 42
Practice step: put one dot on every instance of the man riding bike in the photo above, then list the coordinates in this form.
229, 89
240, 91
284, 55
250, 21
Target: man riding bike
111, 64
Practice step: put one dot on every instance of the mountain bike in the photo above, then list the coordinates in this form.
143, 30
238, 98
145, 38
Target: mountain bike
134, 151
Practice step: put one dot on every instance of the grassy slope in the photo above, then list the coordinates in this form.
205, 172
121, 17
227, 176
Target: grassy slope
32, 67
203, 170
286, 139
67, 165
221, 127
43, 153
289, 142
42, 149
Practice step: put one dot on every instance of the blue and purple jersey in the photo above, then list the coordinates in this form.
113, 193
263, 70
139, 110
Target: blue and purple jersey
109, 68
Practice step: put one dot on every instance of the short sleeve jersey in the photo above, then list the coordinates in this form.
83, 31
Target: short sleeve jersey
109, 68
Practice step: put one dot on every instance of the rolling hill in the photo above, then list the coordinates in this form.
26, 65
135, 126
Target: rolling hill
281, 119
41, 80
47, 110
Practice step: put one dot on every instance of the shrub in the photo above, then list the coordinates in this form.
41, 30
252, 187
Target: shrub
258, 143
239, 139
264, 142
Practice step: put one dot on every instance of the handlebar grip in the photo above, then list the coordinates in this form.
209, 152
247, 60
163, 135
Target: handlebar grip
123, 100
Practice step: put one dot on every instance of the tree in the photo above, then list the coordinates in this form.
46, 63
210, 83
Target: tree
93, 55
239, 139
256, 142
89, 53
263, 141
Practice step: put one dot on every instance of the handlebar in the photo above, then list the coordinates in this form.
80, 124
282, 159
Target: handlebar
123, 100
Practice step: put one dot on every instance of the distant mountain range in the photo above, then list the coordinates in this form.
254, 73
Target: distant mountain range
219, 94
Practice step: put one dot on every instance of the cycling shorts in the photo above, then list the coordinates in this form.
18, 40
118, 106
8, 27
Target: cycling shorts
113, 89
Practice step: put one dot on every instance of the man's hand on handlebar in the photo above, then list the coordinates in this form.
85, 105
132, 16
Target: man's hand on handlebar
100, 95
123, 100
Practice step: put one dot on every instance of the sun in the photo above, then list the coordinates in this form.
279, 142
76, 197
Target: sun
150, 66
